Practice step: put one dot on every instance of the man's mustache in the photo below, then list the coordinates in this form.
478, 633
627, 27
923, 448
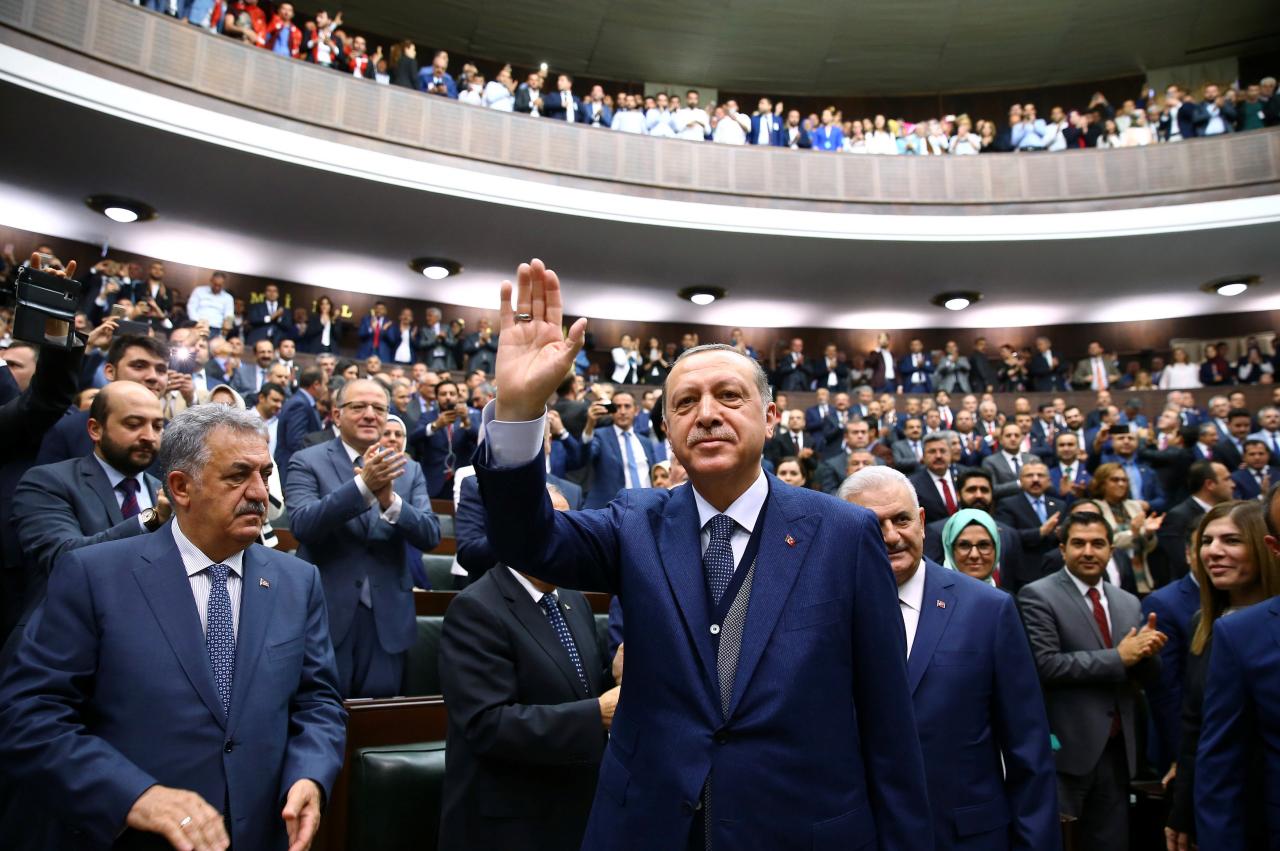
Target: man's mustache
701, 435
249, 506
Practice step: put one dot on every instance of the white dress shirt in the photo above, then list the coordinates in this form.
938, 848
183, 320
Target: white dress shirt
146, 499
910, 602
642, 460
196, 564
887, 357
404, 351
937, 483
697, 131
533, 593
497, 96
797, 437
732, 130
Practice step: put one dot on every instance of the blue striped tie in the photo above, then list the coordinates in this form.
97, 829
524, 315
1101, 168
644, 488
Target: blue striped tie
219, 636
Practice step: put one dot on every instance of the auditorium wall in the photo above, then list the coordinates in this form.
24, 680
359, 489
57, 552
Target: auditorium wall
1129, 339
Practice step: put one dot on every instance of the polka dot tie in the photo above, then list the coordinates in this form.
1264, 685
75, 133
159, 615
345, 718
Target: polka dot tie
717, 561
219, 636
551, 606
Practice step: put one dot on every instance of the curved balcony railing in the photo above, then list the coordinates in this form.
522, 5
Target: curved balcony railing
165, 49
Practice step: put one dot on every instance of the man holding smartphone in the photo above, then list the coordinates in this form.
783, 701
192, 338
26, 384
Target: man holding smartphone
618, 457
444, 439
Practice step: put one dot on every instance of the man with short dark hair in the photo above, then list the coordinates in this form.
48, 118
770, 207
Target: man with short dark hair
1006, 462
908, 452
1035, 513
267, 406
20, 363
1094, 652
266, 318
299, 417
1256, 475
250, 377
354, 506
130, 358
444, 439
562, 104
1230, 448
1068, 477
834, 468
975, 491
933, 480
103, 496
1210, 483
618, 458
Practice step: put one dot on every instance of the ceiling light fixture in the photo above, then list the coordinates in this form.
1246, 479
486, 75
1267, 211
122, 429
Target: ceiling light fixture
956, 300
435, 268
702, 296
1232, 285
119, 209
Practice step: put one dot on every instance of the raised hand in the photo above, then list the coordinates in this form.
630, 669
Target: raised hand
534, 356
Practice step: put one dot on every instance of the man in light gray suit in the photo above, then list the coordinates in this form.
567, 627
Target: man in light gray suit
1005, 465
354, 506
1093, 653
908, 451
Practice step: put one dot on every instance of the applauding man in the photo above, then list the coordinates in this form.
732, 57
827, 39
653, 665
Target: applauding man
760, 709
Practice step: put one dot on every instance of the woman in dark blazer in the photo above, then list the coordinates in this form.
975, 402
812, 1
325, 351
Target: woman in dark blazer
324, 329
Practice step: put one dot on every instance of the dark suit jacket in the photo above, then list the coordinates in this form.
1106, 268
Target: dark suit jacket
832, 757
475, 554
383, 349
1172, 541
313, 341
791, 375
555, 105
481, 355
1044, 378
1004, 479
1017, 513
1247, 487
1227, 454
350, 542
1083, 680
68, 438
1173, 605
981, 374
878, 382
298, 418
818, 372
322, 435
263, 327
1052, 562
783, 445
65, 506
986, 748
1240, 728
433, 451
1081, 475
905, 371
608, 467
930, 500
525, 736
81, 729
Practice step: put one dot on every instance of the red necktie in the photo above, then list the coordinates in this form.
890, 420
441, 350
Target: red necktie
947, 497
1100, 616
377, 331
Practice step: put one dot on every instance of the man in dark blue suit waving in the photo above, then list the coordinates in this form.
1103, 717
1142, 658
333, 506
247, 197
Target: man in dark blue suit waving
983, 729
760, 709
179, 683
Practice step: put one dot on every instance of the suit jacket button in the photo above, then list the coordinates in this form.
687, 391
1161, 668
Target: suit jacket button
228, 746
721, 737
715, 629
687, 808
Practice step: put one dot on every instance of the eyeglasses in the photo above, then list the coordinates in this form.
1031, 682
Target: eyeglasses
963, 548
359, 408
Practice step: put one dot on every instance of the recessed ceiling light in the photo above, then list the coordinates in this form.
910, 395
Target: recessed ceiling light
119, 209
955, 300
435, 268
702, 296
1231, 285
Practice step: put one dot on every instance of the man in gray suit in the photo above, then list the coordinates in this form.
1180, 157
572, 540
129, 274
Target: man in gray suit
104, 496
908, 451
354, 506
1005, 464
1093, 652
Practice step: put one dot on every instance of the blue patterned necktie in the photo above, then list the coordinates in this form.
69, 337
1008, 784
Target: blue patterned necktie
1040, 509
219, 636
717, 561
551, 606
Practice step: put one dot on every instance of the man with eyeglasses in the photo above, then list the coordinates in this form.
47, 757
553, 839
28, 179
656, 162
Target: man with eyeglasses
354, 506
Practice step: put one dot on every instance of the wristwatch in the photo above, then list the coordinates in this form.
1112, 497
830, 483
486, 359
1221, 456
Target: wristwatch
151, 519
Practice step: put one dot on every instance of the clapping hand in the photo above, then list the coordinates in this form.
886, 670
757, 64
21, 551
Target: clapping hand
534, 356
381, 468
1139, 644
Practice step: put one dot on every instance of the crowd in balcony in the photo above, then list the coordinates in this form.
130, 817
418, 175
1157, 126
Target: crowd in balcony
1151, 118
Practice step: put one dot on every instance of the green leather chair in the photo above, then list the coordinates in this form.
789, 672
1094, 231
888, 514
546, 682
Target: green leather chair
396, 791
437, 567
422, 668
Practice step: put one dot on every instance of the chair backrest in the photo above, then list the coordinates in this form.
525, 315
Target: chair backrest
422, 667
396, 795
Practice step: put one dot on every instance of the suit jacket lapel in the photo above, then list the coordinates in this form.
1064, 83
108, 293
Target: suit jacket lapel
778, 563
342, 464
535, 621
164, 583
97, 480
256, 603
938, 585
680, 549
1084, 607
1273, 622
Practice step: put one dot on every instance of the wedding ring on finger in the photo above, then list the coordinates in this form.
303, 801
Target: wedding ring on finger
524, 317
186, 821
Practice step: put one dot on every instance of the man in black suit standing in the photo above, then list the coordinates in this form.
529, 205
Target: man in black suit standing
793, 441
975, 490
1210, 484
935, 486
982, 376
1044, 368
267, 319
1035, 514
1255, 476
529, 697
1230, 448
